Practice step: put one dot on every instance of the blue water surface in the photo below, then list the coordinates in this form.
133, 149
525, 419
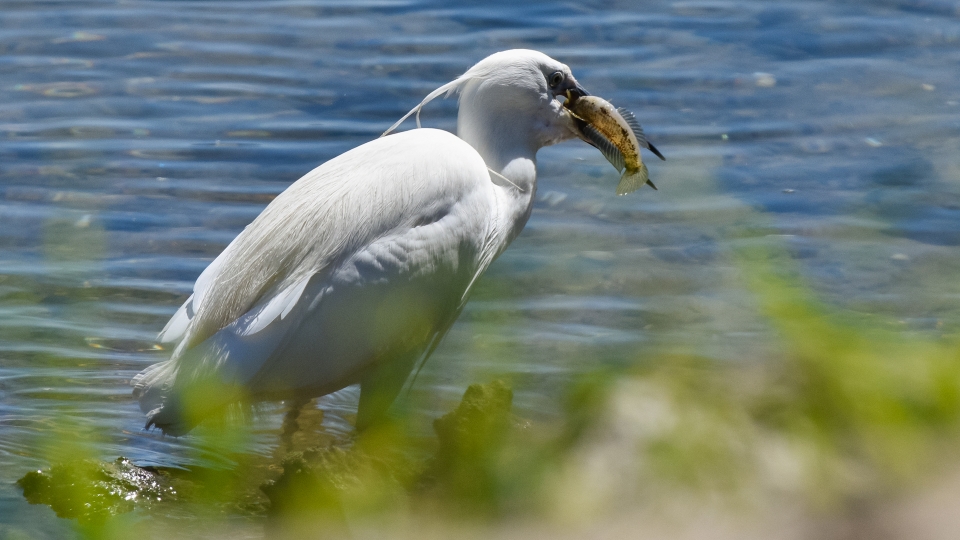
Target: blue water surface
137, 138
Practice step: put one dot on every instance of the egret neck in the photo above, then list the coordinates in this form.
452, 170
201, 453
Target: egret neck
506, 138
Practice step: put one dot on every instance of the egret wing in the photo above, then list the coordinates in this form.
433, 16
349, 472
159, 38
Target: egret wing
177, 324
279, 305
321, 220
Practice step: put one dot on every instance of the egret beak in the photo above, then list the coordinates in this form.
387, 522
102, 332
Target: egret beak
572, 94
576, 92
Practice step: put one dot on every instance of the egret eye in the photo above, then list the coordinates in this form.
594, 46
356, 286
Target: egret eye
555, 79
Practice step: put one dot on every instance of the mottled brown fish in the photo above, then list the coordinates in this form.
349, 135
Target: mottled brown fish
618, 135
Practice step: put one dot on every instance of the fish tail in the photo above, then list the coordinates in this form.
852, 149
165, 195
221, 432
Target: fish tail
634, 179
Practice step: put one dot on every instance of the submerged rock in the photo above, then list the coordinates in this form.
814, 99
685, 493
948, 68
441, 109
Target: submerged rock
304, 500
471, 435
385, 469
474, 470
482, 419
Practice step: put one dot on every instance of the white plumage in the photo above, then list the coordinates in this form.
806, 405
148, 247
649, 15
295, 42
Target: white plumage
357, 270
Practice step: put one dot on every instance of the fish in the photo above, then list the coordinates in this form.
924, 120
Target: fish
619, 137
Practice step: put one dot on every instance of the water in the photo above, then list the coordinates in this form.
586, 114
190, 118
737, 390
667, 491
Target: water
138, 138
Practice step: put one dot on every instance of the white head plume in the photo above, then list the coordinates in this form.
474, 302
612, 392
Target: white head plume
502, 63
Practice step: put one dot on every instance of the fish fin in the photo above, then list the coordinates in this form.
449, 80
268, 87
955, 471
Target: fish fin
638, 131
656, 152
634, 125
631, 181
607, 148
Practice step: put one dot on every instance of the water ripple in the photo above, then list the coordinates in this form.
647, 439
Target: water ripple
131, 154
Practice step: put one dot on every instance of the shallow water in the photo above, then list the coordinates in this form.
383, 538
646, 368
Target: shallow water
138, 138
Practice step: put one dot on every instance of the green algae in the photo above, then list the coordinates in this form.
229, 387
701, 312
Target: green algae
92, 491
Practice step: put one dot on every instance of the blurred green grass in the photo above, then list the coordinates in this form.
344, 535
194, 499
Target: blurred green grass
855, 409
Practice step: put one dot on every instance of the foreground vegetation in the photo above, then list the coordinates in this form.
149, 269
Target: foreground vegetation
855, 413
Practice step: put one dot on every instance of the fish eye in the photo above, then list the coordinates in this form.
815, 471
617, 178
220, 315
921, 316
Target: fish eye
556, 78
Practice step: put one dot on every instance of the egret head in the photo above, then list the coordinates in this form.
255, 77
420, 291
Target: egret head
513, 95
510, 105
524, 69
514, 90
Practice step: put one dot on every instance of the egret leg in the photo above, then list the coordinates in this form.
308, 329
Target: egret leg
380, 386
290, 424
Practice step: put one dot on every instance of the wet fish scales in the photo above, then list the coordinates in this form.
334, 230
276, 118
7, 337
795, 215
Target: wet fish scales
618, 135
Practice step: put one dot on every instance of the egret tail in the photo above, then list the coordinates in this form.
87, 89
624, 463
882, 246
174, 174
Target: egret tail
177, 404
152, 388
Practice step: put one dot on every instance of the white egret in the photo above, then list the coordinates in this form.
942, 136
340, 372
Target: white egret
356, 271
